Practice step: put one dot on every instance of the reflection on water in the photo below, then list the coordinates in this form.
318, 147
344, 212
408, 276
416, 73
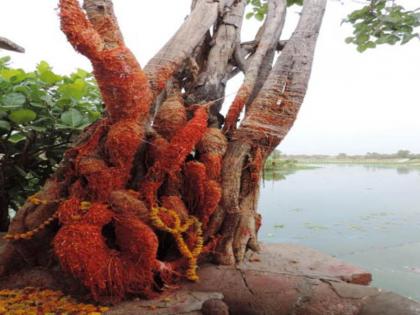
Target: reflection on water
275, 175
366, 215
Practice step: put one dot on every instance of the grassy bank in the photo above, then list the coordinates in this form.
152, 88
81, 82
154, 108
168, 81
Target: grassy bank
285, 165
390, 162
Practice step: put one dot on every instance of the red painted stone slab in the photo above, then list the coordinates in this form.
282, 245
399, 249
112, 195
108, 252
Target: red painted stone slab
301, 260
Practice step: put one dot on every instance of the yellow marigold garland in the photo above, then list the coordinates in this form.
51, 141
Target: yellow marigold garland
176, 230
30, 234
36, 201
84, 205
35, 301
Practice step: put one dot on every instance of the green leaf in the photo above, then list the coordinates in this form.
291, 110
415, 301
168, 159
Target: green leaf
249, 15
38, 105
259, 16
38, 129
4, 125
16, 138
362, 38
392, 39
13, 75
81, 74
370, 44
5, 60
407, 37
72, 118
13, 100
75, 90
22, 116
361, 48
349, 40
46, 74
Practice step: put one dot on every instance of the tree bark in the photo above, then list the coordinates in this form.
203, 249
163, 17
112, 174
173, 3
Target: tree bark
269, 118
9, 45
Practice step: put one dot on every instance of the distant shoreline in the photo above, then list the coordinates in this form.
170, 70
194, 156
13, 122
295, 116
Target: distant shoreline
291, 163
390, 162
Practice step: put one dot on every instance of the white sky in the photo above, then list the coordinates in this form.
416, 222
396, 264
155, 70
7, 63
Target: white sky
355, 103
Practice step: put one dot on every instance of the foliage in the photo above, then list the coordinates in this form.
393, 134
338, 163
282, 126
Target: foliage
378, 22
40, 113
383, 22
260, 7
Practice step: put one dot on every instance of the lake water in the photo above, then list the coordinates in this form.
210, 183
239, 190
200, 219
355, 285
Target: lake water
367, 216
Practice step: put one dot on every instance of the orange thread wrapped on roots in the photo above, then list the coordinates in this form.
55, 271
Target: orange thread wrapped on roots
195, 185
177, 204
213, 142
82, 250
155, 149
213, 163
184, 141
235, 109
79, 31
90, 147
113, 68
102, 183
139, 245
171, 117
123, 141
89, 165
172, 158
212, 199
212, 148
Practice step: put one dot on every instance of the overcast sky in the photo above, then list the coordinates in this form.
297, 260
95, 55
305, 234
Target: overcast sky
356, 103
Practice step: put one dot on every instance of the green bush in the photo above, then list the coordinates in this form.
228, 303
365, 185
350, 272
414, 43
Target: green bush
40, 113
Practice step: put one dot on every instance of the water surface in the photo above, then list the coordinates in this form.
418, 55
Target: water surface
365, 215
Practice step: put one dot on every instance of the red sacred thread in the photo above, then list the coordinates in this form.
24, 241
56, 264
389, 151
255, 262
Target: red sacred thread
102, 183
122, 143
90, 146
139, 245
256, 166
155, 149
124, 86
212, 199
171, 159
194, 191
213, 163
171, 116
177, 204
82, 250
235, 109
212, 148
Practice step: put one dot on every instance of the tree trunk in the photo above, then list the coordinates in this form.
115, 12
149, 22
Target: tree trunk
164, 181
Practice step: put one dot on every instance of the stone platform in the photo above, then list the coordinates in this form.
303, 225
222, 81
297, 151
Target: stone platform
282, 279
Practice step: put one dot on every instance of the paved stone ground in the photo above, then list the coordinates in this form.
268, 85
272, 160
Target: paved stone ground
282, 279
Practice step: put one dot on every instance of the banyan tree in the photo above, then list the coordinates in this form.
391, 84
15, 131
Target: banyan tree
164, 181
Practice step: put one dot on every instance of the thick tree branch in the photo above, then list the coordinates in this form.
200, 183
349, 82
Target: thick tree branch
211, 82
113, 63
274, 111
268, 120
101, 15
270, 34
9, 45
171, 57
